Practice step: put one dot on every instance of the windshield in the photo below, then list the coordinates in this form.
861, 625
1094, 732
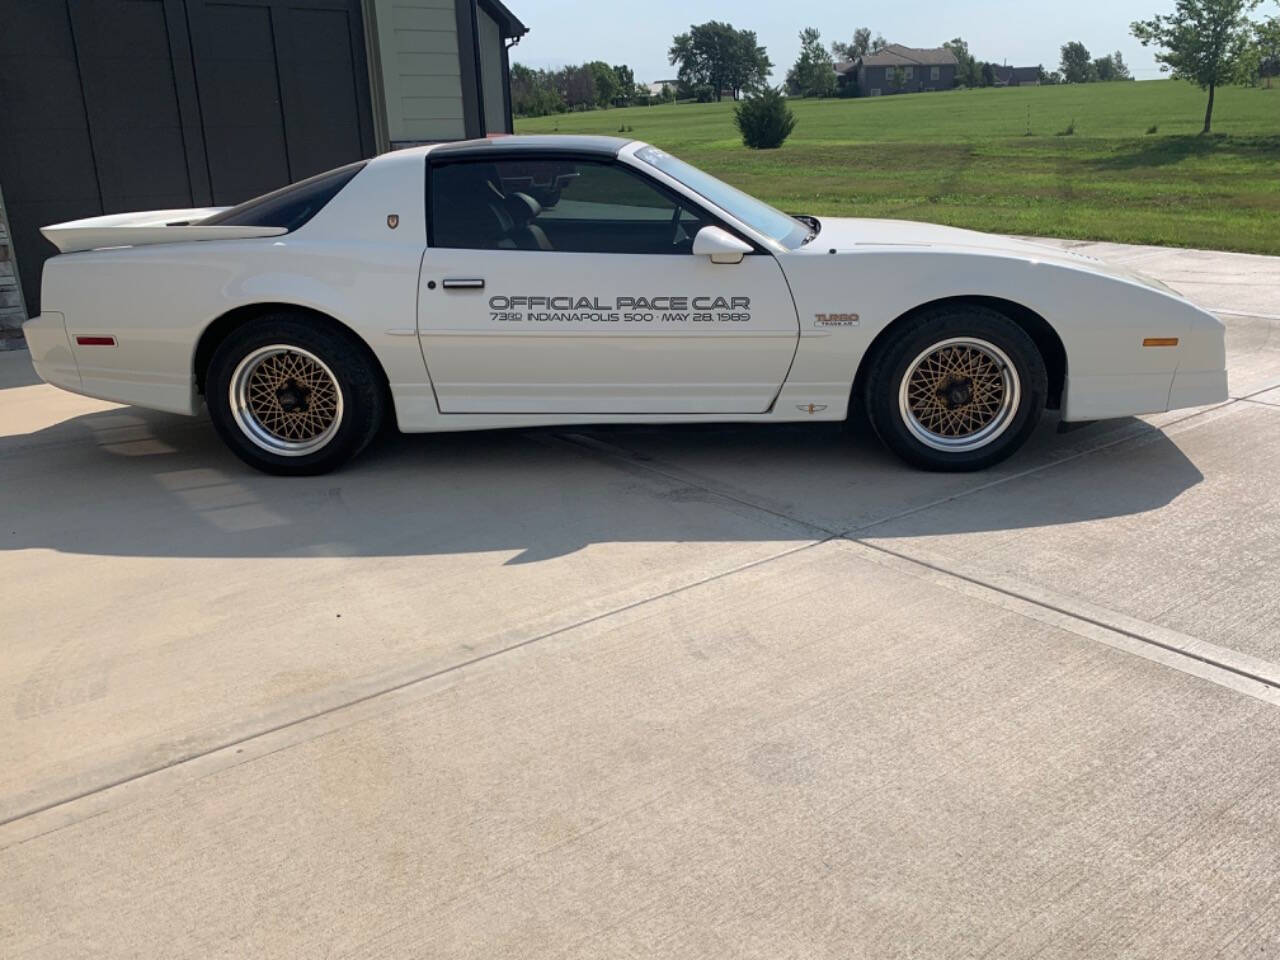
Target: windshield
754, 213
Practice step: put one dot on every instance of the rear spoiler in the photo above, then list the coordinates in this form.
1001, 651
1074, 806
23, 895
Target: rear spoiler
152, 226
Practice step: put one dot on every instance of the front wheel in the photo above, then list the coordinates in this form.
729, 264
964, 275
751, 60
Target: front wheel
958, 388
291, 395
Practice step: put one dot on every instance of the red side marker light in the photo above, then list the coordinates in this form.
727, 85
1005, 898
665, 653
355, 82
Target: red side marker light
96, 341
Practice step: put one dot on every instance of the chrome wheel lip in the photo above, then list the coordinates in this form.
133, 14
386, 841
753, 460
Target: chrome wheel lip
251, 425
1001, 419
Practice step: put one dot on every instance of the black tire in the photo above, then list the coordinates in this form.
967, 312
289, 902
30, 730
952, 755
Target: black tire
341, 371
919, 429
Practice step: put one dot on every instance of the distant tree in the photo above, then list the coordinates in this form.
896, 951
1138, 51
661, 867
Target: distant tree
1204, 41
897, 79
698, 55
627, 88
1267, 36
860, 46
577, 87
606, 82
813, 74
534, 92
1052, 78
879, 43
1076, 66
967, 72
750, 65
988, 74
764, 119
1109, 68
715, 54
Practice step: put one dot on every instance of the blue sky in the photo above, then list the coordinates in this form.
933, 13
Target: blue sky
638, 32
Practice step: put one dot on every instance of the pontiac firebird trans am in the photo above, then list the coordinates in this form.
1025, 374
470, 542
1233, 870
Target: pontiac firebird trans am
567, 280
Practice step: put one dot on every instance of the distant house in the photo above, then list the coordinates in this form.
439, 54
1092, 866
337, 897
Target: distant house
655, 88
899, 69
1016, 76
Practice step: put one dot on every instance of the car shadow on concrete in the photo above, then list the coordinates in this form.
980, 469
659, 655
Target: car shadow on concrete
130, 482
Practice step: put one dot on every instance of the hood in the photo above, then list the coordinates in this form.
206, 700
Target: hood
848, 234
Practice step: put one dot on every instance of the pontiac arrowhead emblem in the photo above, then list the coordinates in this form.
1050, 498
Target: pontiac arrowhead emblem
393, 220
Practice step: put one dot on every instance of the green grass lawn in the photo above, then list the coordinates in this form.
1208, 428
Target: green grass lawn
965, 158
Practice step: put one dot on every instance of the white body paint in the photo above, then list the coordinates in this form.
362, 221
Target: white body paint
452, 366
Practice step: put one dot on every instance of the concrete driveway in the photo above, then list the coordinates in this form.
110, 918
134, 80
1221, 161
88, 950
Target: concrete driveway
724, 692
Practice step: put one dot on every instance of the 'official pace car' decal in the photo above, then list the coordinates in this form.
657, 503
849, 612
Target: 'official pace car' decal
662, 309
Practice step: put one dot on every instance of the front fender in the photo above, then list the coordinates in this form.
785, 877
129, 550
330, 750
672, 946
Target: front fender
1101, 317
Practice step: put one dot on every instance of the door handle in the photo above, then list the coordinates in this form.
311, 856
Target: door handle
463, 283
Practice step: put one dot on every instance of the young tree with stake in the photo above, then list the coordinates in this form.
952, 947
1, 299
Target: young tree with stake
1204, 41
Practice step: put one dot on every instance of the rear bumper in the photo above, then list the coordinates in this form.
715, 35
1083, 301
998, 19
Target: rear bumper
51, 353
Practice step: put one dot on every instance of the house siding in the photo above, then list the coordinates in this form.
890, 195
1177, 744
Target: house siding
12, 310
492, 81
421, 72
881, 78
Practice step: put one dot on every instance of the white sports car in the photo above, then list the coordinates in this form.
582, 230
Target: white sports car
566, 280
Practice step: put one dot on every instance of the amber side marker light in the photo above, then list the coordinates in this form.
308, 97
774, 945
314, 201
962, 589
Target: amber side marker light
1160, 341
96, 341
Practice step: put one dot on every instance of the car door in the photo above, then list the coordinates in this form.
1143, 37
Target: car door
568, 285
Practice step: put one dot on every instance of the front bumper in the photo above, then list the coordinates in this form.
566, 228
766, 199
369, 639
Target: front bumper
1197, 388
1128, 395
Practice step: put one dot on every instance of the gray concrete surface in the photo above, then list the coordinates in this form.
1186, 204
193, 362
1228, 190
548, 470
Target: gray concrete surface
636, 692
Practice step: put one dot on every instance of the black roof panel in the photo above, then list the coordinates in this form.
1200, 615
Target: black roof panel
548, 143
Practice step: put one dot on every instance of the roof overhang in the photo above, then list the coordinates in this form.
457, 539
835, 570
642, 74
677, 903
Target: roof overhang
509, 24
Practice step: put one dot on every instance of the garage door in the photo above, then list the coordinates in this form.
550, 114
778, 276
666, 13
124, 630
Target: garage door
116, 105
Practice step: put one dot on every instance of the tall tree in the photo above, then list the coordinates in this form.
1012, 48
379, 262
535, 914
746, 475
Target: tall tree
1120, 67
749, 66
860, 46
1203, 41
1075, 66
1109, 68
534, 92
626, 81
606, 82
577, 87
813, 74
967, 71
689, 52
1268, 40
716, 55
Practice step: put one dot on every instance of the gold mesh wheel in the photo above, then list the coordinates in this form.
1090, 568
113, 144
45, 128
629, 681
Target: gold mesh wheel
286, 400
959, 394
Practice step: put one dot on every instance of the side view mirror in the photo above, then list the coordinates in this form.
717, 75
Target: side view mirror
720, 245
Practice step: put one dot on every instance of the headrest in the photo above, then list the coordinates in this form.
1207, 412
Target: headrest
520, 200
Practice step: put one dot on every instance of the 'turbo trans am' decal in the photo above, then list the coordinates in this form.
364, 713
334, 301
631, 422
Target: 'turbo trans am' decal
661, 309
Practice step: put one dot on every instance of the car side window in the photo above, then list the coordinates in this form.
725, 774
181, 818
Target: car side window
566, 206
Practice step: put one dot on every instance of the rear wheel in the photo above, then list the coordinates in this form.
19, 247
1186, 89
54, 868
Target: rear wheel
291, 395
958, 388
